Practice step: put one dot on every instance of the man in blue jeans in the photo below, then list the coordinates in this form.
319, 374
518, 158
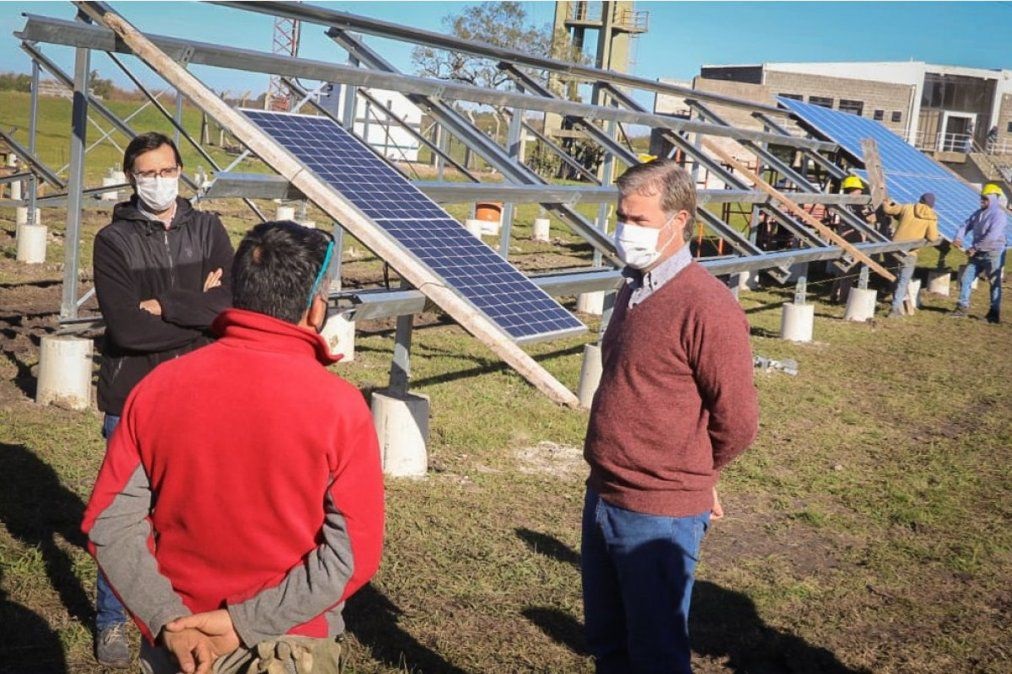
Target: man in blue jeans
676, 404
161, 277
986, 256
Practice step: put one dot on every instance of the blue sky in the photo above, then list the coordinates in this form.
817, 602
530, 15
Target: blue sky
682, 35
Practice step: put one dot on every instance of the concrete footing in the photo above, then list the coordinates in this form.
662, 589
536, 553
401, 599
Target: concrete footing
21, 215
16, 190
285, 213
542, 229
340, 335
797, 322
65, 372
590, 374
938, 282
402, 426
591, 303
912, 302
308, 224
475, 227
747, 280
31, 243
860, 304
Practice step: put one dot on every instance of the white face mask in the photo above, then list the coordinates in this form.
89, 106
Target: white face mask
158, 194
637, 245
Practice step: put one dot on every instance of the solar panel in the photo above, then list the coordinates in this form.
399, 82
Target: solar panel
466, 265
909, 173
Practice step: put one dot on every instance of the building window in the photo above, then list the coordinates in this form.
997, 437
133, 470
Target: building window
793, 97
879, 115
1009, 127
897, 116
853, 107
821, 101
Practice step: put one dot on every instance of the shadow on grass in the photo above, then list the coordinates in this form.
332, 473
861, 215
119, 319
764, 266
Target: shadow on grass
29, 644
372, 618
724, 624
36, 509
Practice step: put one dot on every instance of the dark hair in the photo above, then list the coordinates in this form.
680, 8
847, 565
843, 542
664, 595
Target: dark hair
275, 267
152, 140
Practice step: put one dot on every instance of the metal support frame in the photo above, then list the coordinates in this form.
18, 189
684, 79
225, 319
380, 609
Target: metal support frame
28, 155
801, 285
513, 148
800, 181
75, 181
55, 31
489, 151
33, 181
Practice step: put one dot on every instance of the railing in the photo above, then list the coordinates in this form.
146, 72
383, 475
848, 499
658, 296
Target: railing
960, 142
631, 19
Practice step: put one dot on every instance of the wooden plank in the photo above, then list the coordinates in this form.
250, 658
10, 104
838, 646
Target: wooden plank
876, 178
797, 210
324, 196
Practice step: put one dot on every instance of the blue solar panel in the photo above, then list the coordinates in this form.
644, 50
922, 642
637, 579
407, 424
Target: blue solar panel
908, 172
465, 264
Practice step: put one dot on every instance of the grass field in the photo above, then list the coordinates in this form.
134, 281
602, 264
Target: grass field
867, 529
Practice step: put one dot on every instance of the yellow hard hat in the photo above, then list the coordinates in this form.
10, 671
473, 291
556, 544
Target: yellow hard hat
646, 158
990, 188
852, 183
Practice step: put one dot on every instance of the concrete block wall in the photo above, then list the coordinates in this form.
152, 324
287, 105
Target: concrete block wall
889, 98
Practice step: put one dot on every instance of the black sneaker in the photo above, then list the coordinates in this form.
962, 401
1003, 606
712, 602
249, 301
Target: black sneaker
993, 317
959, 312
112, 647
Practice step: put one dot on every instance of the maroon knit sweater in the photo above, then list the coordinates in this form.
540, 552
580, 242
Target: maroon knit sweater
676, 401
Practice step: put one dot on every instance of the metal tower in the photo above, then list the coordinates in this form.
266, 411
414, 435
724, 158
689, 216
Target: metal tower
286, 43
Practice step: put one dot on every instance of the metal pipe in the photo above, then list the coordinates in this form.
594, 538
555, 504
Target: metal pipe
75, 181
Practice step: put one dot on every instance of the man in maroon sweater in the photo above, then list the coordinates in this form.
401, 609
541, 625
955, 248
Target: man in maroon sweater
675, 405
240, 502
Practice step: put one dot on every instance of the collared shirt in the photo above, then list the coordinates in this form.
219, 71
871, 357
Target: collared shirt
644, 285
151, 216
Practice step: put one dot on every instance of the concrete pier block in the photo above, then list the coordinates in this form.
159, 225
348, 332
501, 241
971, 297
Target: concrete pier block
590, 374
591, 303
797, 322
65, 372
285, 213
860, 305
938, 282
21, 215
340, 335
542, 229
402, 425
31, 243
475, 227
912, 301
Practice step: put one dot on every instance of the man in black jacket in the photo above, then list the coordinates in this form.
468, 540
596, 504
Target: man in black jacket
161, 276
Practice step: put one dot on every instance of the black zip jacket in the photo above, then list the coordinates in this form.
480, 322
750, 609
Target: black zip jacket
137, 259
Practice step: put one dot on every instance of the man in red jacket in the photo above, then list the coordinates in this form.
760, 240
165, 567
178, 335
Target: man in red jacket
676, 403
241, 498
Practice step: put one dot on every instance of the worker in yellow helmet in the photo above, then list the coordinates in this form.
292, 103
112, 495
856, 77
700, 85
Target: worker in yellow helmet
986, 254
851, 185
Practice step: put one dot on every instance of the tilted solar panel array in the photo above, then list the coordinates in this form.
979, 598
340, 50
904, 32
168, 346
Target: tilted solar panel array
465, 264
908, 172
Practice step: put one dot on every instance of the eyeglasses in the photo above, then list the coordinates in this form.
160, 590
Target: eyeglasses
171, 172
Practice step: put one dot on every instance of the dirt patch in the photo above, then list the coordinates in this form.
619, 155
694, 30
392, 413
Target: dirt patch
549, 458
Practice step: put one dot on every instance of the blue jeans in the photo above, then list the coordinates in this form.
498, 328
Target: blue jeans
109, 610
638, 572
988, 264
904, 274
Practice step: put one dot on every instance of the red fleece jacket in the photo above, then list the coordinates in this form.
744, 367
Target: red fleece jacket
258, 472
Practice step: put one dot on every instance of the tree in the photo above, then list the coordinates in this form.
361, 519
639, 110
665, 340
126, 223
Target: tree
502, 24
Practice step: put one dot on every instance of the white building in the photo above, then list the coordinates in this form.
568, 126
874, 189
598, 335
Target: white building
372, 125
